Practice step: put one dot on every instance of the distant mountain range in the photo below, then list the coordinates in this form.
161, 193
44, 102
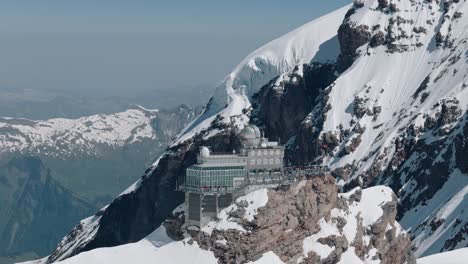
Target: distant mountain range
86, 136
58, 170
43, 104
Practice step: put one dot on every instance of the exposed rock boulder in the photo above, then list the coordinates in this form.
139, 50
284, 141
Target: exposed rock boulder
377, 39
360, 106
383, 4
283, 108
311, 214
351, 38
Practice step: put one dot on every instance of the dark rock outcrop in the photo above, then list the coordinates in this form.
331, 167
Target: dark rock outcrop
377, 39
351, 38
281, 111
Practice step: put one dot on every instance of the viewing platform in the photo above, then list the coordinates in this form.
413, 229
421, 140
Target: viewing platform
216, 180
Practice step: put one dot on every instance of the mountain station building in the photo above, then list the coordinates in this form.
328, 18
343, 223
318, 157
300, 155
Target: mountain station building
216, 180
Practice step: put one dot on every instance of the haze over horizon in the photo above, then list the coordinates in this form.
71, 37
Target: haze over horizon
120, 46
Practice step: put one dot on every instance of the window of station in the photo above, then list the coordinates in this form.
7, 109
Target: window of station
213, 177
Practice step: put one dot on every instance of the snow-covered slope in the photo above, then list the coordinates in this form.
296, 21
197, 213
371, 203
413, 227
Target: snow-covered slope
458, 256
397, 112
396, 81
313, 41
148, 250
396, 115
65, 137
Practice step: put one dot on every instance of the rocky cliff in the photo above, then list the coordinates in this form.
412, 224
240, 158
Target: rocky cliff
310, 222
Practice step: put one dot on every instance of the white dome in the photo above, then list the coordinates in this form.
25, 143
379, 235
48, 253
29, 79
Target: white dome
250, 132
250, 136
204, 152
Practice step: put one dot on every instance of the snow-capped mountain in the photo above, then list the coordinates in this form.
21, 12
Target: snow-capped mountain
82, 157
281, 55
78, 150
64, 138
388, 105
396, 115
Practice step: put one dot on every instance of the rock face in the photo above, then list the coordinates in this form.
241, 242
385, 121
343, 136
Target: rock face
310, 222
283, 106
351, 38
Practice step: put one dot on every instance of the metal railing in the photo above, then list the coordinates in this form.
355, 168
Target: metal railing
288, 175
211, 189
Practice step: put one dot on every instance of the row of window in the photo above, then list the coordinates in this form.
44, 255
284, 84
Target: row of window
265, 152
265, 161
212, 178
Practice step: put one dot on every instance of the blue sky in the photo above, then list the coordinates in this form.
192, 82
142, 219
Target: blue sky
138, 44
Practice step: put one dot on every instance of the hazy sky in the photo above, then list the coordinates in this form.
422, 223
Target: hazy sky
138, 44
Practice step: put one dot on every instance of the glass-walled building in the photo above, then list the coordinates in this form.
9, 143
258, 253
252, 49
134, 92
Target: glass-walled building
212, 178
217, 180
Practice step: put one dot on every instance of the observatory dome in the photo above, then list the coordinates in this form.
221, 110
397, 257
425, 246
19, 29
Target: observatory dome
204, 152
250, 135
250, 132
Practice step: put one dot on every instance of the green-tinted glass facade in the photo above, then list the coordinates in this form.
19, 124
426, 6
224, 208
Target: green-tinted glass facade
204, 178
